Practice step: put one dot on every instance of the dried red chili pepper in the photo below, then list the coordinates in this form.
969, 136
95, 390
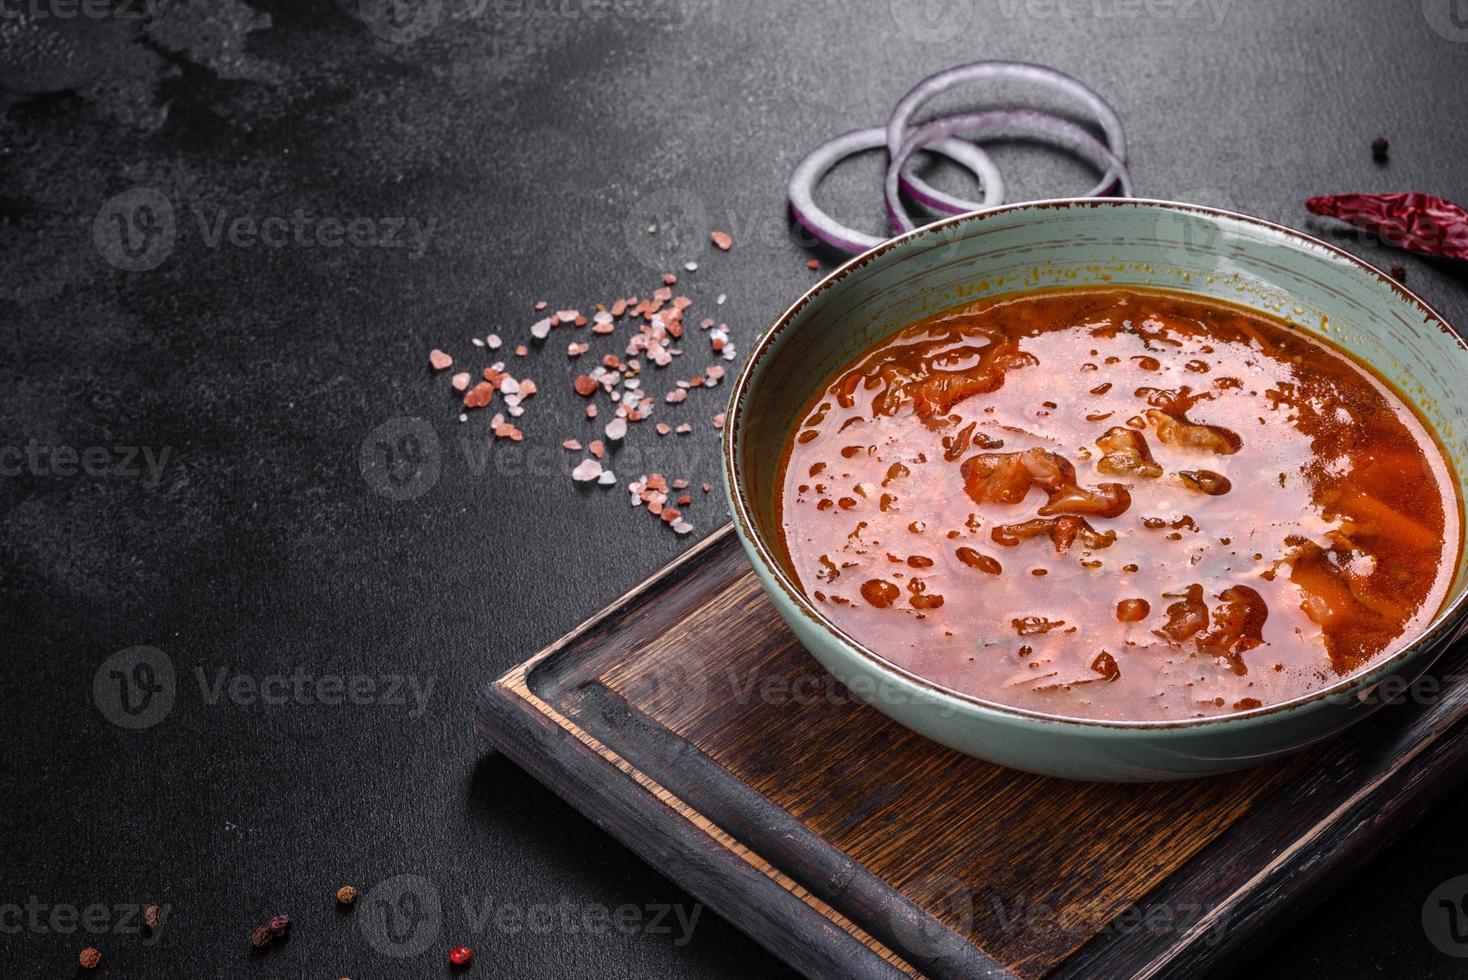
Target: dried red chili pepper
1416, 222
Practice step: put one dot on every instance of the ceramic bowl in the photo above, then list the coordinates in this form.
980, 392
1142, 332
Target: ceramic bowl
1045, 244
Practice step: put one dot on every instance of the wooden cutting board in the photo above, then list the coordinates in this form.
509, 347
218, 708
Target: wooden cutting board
688, 722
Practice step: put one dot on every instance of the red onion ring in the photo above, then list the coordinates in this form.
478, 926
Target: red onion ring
1000, 124
809, 171
898, 126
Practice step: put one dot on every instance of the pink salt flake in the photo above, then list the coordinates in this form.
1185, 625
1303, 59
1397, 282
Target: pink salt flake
521, 350
597, 449
439, 360
616, 429
460, 381
479, 396
586, 471
541, 304
718, 420
494, 341
684, 429
572, 444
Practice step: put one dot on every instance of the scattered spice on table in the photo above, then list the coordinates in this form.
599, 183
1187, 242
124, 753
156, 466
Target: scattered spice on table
89, 958
1379, 146
461, 956
261, 937
346, 894
1413, 221
152, 917
1399, 272
655, 331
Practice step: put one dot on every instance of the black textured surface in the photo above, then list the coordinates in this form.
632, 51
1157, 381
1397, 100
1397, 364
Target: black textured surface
536, 141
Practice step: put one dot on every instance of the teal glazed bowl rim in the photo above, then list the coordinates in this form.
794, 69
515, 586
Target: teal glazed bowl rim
748, 528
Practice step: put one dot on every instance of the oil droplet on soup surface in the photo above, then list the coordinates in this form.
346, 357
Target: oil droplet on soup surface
1223, 511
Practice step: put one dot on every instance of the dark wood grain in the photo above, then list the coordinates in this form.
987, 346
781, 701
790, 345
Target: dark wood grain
688, 721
